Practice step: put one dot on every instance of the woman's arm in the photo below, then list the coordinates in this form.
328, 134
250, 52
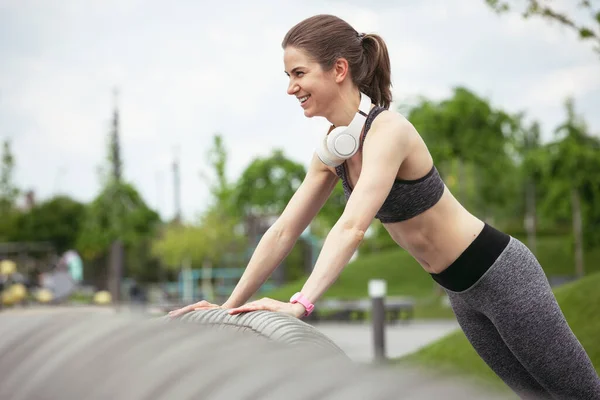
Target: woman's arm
280, 238
384, 151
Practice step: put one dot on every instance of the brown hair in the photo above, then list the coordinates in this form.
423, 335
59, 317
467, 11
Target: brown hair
326, 38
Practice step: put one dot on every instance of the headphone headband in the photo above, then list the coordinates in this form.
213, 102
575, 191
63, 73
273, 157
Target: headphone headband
343, 142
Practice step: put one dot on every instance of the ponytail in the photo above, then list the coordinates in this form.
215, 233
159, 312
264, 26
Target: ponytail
376, 82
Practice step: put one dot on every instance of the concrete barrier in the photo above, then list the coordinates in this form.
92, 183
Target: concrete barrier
204, 355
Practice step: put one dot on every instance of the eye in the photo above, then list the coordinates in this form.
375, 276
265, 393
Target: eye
299, 74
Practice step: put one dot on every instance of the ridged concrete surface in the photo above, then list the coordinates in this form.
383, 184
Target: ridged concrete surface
205, 355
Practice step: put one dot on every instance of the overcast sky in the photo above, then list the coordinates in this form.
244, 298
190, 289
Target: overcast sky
186, 71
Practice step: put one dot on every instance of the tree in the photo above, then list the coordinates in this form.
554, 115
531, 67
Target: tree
530, 156
220, 188
467, 139
330, 212
8, 191
114, 154
117, 215
206, 242
570, 174
197, 244
57, 220
118, 212
541, 8
267, 185
118, 219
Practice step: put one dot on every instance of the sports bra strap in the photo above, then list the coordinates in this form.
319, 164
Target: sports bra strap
374, 113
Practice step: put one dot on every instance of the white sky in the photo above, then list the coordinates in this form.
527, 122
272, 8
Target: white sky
187, 70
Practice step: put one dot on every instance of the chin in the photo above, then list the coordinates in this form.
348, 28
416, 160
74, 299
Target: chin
308, 113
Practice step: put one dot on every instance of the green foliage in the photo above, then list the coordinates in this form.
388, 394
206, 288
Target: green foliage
404, 275
179, 243
220, 188
57, 220
268, 184
114, 161
541, 8
207, 241
8, 225
568, 163
489, 159
8, 191
428, 118
118, 212
330, 212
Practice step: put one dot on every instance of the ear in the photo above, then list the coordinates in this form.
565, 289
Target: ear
341, 70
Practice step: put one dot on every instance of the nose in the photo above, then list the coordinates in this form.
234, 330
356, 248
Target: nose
292, 87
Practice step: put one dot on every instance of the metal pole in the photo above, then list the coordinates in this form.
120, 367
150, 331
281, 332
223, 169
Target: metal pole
377, 292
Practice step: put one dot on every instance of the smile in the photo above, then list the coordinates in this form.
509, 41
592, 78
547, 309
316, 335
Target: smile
303, 99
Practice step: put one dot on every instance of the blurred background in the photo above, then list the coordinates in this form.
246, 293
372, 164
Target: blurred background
147, 146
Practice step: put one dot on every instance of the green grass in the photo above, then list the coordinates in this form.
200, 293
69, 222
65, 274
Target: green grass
405, 277
580, 302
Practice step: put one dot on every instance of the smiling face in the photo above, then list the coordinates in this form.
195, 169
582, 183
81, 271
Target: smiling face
309, 83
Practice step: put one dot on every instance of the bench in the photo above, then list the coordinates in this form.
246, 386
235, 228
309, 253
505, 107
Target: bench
396, 309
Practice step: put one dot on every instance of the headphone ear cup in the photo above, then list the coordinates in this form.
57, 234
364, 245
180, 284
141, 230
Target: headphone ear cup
341, 143
325, 155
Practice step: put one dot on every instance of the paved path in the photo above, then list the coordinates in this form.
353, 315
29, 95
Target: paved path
357, 339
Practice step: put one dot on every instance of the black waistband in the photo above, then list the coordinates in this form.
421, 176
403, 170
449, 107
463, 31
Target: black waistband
474, 261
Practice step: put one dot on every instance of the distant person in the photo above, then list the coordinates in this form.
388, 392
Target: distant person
497, 289
74, 265
136, 293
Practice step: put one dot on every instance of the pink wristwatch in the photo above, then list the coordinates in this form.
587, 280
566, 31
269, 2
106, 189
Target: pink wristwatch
300, 298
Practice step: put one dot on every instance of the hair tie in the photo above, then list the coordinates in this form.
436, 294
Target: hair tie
361, 36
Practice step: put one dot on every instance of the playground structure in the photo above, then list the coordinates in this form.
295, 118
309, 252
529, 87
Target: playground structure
211, 283
32, 272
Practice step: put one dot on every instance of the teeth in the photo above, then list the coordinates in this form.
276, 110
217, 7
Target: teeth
303, 99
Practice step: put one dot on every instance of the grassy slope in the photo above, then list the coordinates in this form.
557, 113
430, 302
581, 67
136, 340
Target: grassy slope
580, 302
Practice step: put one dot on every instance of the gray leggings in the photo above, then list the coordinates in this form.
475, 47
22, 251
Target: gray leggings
511, 318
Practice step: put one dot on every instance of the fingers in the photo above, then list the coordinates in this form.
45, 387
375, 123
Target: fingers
264, 304
244, 309
188, 308
207, 307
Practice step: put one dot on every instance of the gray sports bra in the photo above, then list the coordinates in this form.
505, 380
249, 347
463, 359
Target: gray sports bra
407, 198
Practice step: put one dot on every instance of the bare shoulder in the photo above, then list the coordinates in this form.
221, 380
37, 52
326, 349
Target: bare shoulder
318, 168
391, 128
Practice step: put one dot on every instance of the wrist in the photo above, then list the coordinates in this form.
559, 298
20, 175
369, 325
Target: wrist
298, 310
307, 305
229, 304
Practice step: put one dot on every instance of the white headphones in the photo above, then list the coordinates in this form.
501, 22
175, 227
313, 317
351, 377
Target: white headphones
343, 142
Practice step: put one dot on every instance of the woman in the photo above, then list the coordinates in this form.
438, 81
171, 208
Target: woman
497, 289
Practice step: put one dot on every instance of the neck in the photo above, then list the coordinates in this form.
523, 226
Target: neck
345, 108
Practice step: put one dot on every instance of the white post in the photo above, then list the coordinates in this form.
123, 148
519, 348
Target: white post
377, 292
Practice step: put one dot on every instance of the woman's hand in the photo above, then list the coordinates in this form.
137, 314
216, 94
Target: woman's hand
201, 305
297, 310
